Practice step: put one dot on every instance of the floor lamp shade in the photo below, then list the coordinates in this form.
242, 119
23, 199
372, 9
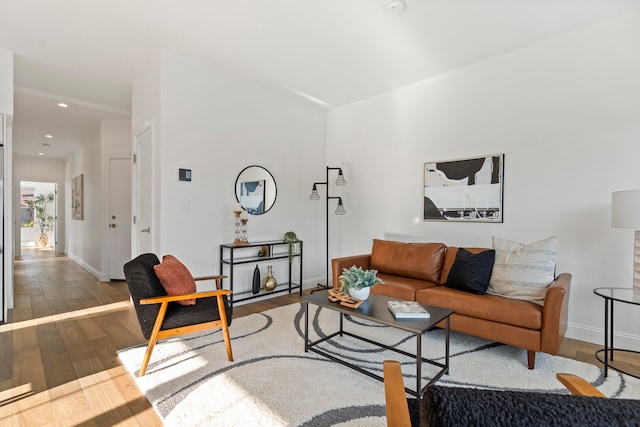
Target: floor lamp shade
625, 213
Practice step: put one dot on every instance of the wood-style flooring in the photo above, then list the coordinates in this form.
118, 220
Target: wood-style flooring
58, 351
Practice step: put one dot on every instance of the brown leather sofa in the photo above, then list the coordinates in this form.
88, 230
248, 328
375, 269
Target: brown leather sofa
419, 271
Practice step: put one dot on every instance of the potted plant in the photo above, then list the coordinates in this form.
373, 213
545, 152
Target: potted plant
291, 238
358, 282
41, 216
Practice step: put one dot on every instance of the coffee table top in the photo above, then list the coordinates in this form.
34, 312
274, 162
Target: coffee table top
375, 308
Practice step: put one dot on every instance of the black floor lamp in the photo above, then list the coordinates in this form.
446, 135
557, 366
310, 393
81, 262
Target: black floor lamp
340, 181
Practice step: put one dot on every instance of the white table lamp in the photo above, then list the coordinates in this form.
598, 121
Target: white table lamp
625, 213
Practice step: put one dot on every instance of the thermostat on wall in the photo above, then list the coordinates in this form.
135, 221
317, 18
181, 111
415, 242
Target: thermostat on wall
184, 174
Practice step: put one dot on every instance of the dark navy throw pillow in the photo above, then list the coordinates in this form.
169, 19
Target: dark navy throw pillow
471, 272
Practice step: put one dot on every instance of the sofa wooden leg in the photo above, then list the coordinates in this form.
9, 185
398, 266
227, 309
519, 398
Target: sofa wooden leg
531, 359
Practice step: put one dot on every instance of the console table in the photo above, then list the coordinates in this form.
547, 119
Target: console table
611, 295
232, 256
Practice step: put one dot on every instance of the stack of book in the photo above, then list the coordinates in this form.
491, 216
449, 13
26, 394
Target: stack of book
408, 310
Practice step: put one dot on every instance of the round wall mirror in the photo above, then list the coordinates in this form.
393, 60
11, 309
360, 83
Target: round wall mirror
256, 190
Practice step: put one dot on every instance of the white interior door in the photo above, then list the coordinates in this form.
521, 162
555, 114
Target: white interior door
143, 238
119, 216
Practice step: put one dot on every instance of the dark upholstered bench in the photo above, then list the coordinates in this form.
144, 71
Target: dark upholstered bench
459, 406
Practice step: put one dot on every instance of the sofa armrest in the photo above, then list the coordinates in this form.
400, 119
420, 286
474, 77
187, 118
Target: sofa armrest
339, 264
555, 314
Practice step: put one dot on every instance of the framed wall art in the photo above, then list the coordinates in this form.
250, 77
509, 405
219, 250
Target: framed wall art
252, 196
466, 190
77, 197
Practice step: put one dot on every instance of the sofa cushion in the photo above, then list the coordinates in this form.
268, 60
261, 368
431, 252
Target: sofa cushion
523, 271
421, 261
400, 287
490, 307
471, 272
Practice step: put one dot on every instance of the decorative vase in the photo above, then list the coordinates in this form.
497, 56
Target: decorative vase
255, 287
362, 294
43, 239
270, 282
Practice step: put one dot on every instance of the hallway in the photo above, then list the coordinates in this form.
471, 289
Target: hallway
59, 364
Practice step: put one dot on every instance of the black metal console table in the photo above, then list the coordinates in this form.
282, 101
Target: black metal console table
232, 256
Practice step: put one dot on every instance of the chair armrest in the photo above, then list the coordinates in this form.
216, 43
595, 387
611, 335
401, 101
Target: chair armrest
395, 396
339, 264
555, 314
578, 386
217, 278
210, 277
171, 298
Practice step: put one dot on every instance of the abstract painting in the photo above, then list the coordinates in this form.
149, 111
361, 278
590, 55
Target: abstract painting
252, 196
464, 190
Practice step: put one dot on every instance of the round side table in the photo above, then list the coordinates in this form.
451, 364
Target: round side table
611, 295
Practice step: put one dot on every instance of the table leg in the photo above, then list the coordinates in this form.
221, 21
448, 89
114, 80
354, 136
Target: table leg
611, 347
341, 322
418, 365
446, 351
606, 337
306, 327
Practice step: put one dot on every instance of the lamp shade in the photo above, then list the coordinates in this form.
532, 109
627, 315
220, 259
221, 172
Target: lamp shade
625, 209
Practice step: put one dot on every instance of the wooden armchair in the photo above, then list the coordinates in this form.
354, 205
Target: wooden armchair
445, 406
160, 316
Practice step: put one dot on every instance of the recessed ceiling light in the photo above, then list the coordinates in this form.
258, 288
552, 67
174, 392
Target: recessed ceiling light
40, 154
48, 136
63, 105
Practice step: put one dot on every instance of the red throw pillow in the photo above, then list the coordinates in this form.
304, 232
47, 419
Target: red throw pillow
175, 278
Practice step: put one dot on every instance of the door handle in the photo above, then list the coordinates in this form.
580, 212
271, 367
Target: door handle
146, 230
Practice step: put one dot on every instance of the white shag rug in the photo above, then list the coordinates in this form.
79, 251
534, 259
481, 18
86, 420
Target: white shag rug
273, 382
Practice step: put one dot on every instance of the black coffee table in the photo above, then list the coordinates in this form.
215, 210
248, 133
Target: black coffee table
375, 309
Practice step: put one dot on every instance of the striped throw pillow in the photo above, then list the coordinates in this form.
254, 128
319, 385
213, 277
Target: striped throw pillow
523, 271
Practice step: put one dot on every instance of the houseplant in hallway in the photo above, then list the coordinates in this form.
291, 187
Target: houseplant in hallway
358, 282
44, 220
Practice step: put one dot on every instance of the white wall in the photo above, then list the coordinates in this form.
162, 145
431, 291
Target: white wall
6, 81
216, 125
84, 237
566, 113
115, 136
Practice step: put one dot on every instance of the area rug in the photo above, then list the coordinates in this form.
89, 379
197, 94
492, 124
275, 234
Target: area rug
273, 382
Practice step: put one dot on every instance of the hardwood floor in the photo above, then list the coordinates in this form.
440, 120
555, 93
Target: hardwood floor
59, 364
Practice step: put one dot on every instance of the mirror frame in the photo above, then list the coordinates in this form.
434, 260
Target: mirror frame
255, 172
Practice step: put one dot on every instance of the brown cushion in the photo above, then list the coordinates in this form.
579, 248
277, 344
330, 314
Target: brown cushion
175, 278
416, 260
493, 308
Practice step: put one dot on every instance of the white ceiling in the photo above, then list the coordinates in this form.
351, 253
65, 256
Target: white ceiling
86, 52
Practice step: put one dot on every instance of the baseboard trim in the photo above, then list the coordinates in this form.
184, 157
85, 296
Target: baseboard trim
596, 336
95, 273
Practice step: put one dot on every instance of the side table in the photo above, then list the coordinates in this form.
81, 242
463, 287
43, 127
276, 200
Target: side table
611, 295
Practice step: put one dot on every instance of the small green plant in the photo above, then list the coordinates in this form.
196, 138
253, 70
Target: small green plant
290, 238
356, 278
42, 218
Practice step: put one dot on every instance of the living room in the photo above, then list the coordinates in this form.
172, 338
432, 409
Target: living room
562, 110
